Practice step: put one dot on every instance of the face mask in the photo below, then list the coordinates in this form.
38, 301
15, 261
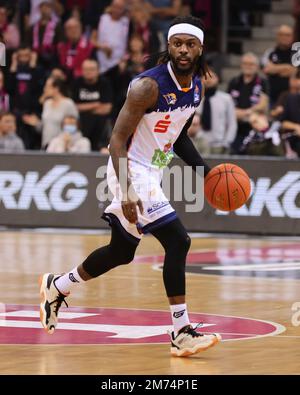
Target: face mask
70, 129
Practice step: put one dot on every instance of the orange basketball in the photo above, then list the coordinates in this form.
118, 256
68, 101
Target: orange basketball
227, 187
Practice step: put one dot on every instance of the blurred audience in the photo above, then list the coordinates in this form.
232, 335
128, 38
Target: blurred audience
9, 31
217, 114
45, 35
196, 135
291, 122
92, 94
75, 49
24, 85
276, 63
112, 47
9, 141
32, 11
162, 12
90, 50
250, 93
4, 96
294, 88
142, 26
263, 138
70, 139
55, 109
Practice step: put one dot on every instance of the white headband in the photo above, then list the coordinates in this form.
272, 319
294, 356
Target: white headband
186, 28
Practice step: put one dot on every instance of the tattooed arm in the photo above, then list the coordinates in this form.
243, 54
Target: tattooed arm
141, 97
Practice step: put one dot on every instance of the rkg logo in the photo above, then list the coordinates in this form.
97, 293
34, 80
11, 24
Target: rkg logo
50, 192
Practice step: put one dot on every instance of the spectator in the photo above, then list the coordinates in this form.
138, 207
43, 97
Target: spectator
44, 36
250, 93
263, 138
70, 139
162, 12
112, 47
55, 109
33, 13
92, 95
142, 26
56, 73
294, 87
276, 63
9, 31
24, 86
196, 135
218, 120
9, 141
4, 96
23, 81
291, 122
76, 48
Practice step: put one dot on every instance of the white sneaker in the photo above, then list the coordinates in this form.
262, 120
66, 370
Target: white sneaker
189, 342
51, 300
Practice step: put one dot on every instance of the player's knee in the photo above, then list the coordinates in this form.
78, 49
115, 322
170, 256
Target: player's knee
180, 245
125, 257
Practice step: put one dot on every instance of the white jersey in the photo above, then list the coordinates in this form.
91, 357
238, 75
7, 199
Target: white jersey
157, 131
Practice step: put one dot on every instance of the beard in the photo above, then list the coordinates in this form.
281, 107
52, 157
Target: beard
186, 69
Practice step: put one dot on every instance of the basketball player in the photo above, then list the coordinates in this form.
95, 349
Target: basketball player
151, 125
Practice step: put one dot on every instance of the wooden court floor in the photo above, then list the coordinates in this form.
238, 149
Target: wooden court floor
116, 324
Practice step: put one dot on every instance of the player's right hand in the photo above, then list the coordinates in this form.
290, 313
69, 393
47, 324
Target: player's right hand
130, 210
130, 204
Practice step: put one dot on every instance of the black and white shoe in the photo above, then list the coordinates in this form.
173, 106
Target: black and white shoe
189, 342
51, 300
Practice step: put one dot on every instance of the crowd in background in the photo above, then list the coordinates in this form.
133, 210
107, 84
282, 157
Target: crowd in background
69, 63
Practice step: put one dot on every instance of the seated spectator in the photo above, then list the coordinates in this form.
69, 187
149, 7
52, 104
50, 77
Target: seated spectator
217, 114
9, 141
112, 47
70, 139
294, 87
291, 123
55, 109
44, 36
4, 96
75, 49
24, 84
250, 93
196, 135
9, 31
142, 26
92, 95
277, 65
263, 138
163, 12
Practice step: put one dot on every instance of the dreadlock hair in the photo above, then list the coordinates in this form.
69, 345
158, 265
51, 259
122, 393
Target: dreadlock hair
201, 69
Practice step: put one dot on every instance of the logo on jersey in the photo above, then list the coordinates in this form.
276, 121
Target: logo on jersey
196, 94
171, 98
161, 158
162, 125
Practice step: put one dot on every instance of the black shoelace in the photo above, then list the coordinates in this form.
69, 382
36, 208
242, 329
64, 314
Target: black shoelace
192, 331
59, 300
